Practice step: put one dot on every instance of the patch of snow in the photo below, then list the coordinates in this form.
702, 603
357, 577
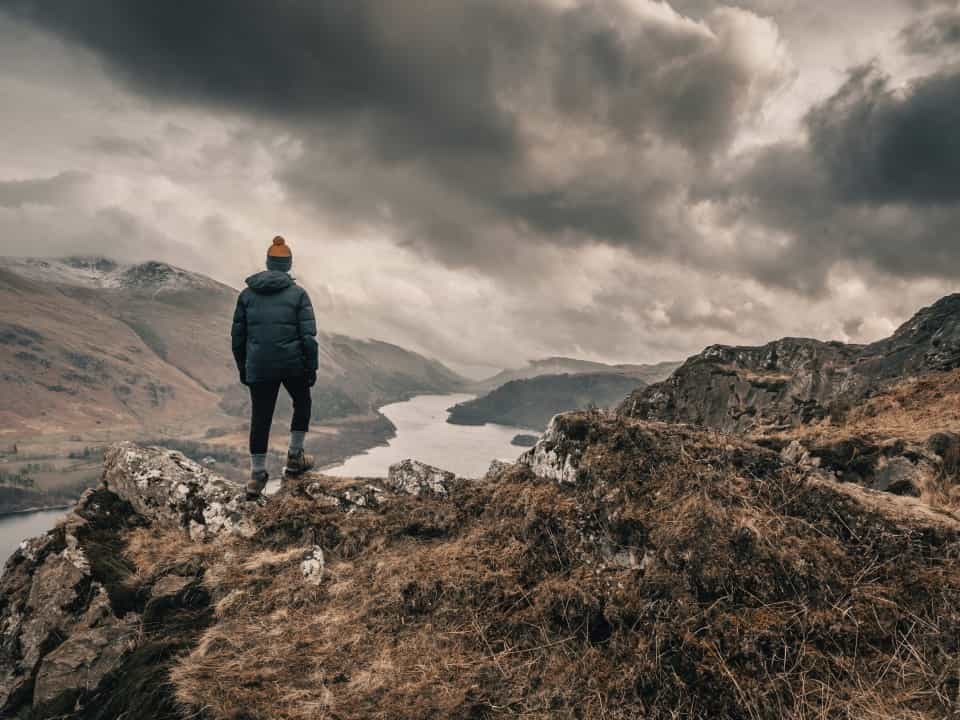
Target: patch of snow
105, 274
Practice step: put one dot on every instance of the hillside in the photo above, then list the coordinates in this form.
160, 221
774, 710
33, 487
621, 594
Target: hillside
531, 403
795, 382
620, 569
88, 341
645, 374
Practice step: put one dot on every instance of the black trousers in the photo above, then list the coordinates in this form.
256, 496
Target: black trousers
263, 398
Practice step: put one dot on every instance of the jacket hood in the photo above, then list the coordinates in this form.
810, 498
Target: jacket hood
269, 282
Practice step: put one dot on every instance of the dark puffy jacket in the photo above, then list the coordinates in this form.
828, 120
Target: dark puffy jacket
274, 330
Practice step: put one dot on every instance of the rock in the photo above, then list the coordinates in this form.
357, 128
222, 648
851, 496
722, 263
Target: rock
796, 453
355, 498
165, 486
557, 455
900, 476
497, 468
524, 440
412, 477
61, 633
313, 566
169, 586
797, 381
946, 445
92, 650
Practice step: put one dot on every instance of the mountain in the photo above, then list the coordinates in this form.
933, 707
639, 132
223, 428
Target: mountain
568, 366
882, 415
531, 403
620, 569
794, 382
91, 342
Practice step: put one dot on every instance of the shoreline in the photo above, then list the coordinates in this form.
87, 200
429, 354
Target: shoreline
30, 510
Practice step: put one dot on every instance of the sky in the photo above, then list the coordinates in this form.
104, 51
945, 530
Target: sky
494, 181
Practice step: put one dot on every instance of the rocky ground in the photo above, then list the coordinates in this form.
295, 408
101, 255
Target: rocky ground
621, 569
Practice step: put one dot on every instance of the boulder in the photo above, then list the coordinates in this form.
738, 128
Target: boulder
167, 486
497, 468
412, 477
558, 453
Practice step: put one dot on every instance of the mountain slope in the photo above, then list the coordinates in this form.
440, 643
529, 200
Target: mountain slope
531, 403
793, 382
646, 374
89, 340
620, 569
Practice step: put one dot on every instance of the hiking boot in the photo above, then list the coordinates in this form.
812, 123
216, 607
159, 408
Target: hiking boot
256, 484
298, 463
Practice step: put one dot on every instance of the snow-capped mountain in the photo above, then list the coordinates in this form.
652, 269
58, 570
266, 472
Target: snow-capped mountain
105, 274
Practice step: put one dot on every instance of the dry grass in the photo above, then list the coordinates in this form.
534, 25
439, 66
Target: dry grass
912, 409
687, 575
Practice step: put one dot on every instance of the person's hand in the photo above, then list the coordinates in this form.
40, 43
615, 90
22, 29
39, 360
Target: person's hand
311, 377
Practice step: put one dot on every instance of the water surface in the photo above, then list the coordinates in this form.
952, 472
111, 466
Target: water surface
424, 434
16, 528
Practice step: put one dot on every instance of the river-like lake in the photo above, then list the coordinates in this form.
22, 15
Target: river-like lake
15, 528
423, 433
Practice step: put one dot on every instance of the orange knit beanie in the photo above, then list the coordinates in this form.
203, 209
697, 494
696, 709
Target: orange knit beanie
279, 248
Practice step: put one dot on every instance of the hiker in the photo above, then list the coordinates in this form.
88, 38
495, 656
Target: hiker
275, 343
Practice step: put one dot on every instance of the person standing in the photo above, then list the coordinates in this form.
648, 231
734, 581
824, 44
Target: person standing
274, 339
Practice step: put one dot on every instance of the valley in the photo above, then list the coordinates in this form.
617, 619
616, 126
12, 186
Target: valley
92, 351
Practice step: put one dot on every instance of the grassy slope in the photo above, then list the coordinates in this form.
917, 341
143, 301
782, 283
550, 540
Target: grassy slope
686, 574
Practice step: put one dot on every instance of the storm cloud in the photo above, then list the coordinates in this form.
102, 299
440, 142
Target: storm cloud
554, 124
619, 179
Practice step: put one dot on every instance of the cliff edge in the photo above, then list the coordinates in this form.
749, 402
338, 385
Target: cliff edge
620, 569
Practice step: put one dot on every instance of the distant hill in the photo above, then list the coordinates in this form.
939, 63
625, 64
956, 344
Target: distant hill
91, 342
531, 403
570, 366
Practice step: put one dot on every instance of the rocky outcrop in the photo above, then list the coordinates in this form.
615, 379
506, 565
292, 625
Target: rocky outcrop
891, 465
166, 486
73, 611
792, 382
650, 568
412, 477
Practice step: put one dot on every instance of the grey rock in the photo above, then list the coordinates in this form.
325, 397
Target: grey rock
312, 566
94, 648
496, 469
412, 477
166, 486
558, 453
795, 381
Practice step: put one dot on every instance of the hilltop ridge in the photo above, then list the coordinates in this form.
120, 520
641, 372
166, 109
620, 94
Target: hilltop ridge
797, 381
620, 568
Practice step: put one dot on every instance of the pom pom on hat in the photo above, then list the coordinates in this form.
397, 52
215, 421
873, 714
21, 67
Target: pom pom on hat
279, 248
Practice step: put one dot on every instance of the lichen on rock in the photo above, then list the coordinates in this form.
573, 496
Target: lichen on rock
413, 477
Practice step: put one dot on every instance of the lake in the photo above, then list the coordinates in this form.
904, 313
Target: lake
423, 433
16, 528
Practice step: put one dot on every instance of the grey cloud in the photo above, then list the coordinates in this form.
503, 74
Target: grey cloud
123, 147
54, 190
874, 186
881, 146
444, 110
933, 33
